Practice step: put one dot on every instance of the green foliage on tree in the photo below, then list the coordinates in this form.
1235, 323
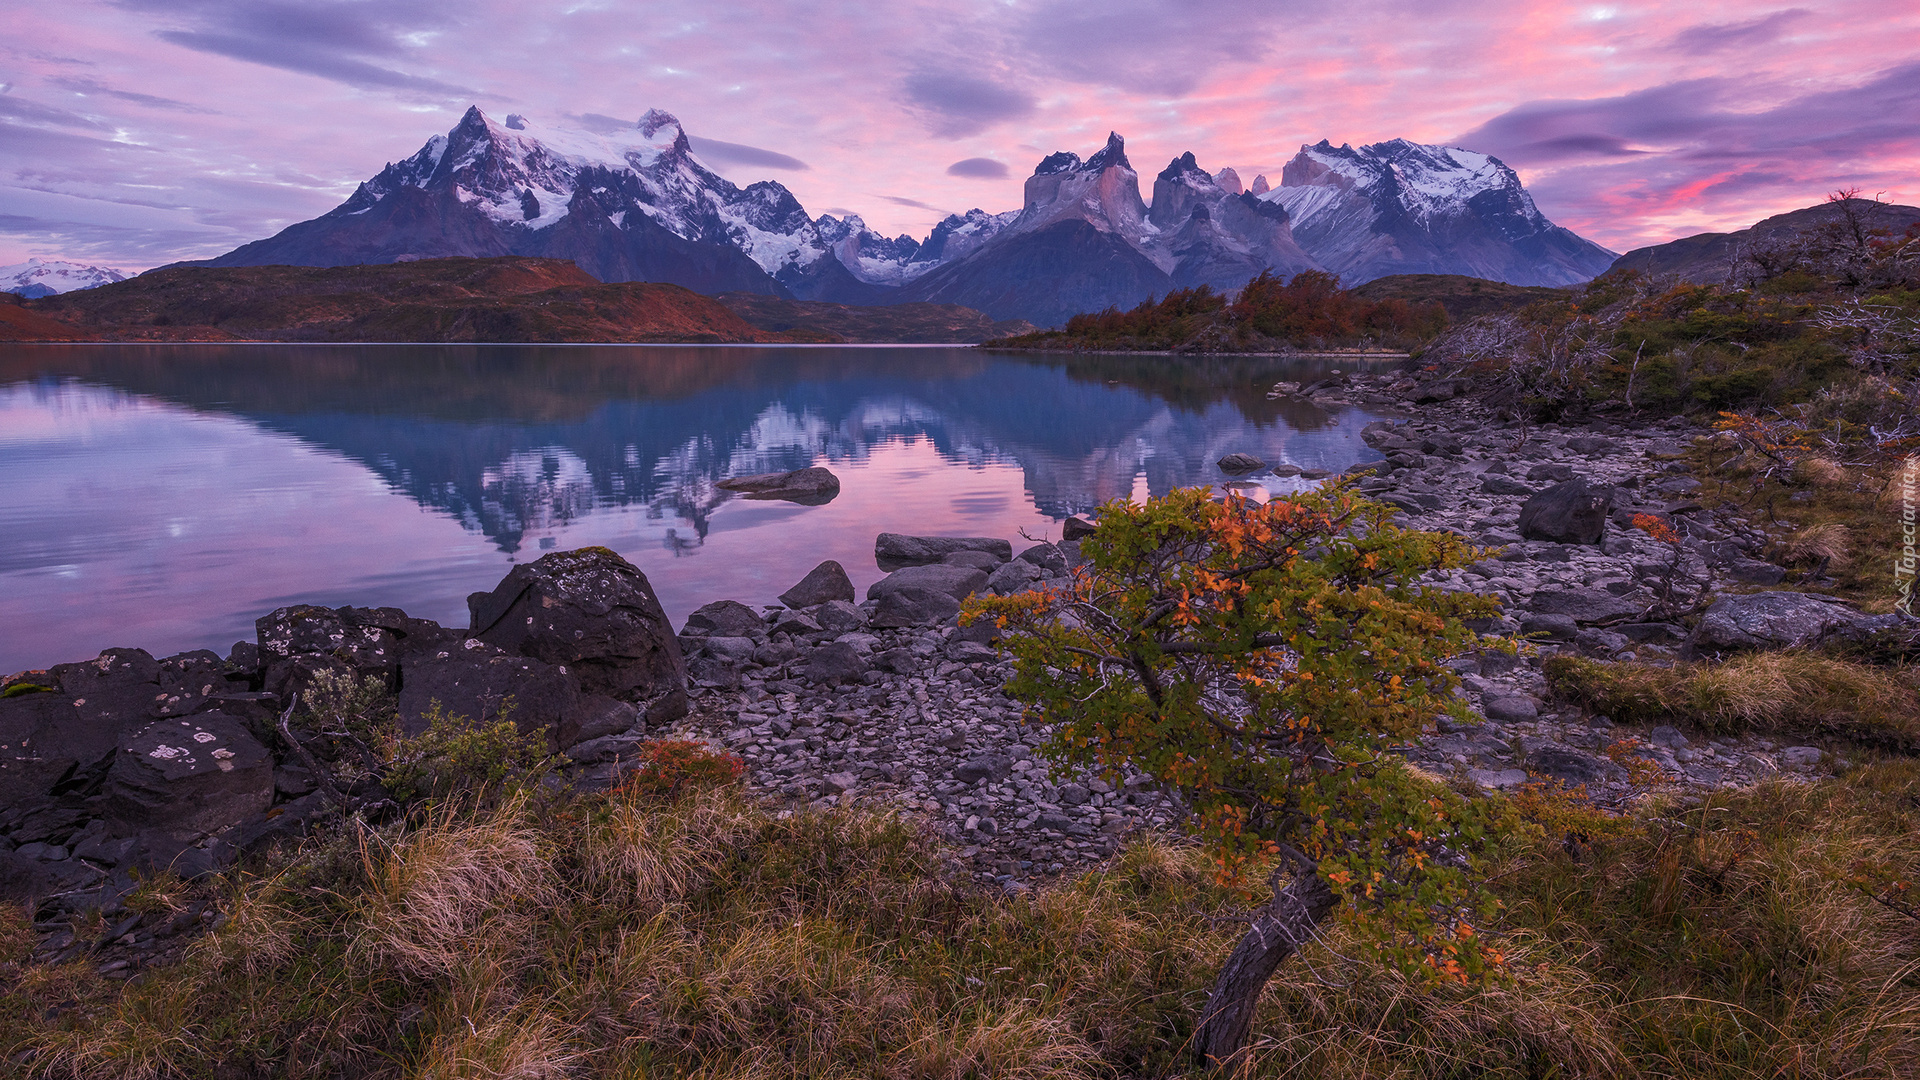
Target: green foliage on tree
1262, 662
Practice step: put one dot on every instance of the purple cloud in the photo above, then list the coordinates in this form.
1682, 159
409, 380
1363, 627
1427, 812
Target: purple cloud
726, 153
1709, 38
978, 167
958, 104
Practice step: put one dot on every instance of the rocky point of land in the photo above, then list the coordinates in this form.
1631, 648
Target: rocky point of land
119, 766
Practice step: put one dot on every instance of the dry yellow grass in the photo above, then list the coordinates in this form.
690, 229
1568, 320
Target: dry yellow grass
443, 895
1818, 545
1721, 941
1816, 471
1801, 693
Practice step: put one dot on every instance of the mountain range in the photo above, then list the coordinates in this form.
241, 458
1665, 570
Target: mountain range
638, 204
47, 277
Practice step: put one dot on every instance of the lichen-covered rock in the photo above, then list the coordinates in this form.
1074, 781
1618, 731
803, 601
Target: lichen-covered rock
1774, 620
476, 680
45, 741
190, 776
594, 613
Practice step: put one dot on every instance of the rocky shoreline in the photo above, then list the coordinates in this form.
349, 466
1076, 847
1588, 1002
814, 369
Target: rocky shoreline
116, 767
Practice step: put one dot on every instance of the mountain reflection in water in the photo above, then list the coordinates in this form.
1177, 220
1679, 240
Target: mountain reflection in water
165, 496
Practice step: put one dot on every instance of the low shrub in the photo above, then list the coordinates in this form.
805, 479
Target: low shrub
670, 768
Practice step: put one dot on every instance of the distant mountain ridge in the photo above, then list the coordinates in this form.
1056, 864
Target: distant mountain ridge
48, 277
639, 204
1713, 258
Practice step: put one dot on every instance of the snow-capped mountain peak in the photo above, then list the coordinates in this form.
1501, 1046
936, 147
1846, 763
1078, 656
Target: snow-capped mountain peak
45, 277
1406, 207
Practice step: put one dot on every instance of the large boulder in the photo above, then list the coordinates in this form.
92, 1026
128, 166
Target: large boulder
809, 487
895, 550
825, 582
190, 776
1048, 557
477, 680
593, 613
922, 595
1776, 620
835, 662
1573, 512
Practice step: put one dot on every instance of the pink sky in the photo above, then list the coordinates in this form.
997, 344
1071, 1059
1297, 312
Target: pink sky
137, 132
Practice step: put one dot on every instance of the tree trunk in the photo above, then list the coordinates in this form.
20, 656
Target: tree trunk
1285, 924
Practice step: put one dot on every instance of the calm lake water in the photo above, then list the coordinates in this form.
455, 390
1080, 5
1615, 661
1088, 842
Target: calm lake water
164, 497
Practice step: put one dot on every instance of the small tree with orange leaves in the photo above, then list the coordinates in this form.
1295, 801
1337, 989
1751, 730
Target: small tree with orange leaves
1263, 662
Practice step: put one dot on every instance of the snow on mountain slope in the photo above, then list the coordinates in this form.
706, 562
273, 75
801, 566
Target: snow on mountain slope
45, 277
1403, 207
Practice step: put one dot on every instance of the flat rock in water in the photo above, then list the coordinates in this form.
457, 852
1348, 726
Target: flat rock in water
810, 486
1074, 528
1239, 464
895, 550
825, 582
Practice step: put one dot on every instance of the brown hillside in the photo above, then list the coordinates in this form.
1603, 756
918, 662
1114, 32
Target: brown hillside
1715, 258
912, 324
430, 300
1463, 297
19, 324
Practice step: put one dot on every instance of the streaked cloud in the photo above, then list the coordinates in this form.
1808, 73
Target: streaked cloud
726, 153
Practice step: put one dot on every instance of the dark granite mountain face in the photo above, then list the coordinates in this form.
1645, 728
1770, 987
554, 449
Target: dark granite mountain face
1728, 258
1216, 236
1046, 276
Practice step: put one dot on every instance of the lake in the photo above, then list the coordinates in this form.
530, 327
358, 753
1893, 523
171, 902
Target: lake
166, 496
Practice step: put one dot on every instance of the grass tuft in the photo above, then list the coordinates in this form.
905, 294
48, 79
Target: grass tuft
1784, 693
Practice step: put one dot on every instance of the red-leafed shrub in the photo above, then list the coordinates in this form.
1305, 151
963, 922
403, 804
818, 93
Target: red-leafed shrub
667, 769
